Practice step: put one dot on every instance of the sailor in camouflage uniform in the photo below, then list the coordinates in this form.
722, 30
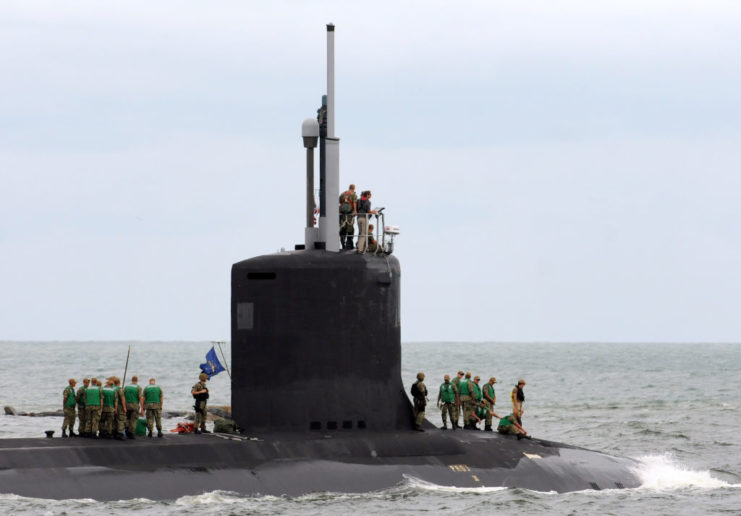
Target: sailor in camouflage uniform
457, 408
69, 401
446, 401
80, 397
419, 394
119, 419
133, 397
200, 394
153, 398
108, 410
93, 403
490, 399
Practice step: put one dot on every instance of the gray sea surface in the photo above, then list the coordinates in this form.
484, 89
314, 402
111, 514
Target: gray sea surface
674, 407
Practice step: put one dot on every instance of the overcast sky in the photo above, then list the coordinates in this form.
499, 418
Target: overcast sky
560, 171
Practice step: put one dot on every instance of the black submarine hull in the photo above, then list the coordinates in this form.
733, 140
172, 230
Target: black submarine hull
300, 463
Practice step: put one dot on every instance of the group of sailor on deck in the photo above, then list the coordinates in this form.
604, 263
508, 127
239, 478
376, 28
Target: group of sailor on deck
463, 395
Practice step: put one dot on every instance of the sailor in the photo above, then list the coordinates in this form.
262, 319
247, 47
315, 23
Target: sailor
81, 406
447, 399
509, 425
109, 409
69, 401
153, 398
518, 398
119, 419
93, 402
372, 245
464, 395
477, 396
364, 213
200, 394
348, 210
419, 395
457, 409
133, 397
490, 399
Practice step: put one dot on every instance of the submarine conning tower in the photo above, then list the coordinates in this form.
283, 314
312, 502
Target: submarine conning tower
316, 334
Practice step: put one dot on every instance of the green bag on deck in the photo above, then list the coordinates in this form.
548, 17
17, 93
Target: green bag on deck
141, 427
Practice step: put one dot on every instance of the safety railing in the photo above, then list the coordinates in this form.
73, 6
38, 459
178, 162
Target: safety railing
384, 235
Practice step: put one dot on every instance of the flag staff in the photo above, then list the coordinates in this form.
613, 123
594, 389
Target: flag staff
226, 364
126, 369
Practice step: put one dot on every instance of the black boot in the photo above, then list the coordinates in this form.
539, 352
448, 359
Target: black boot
72, 434
487, 428
159, 433
149, 433
64, 434
130, 436
444, 427
196, 431
418, 428
118, 437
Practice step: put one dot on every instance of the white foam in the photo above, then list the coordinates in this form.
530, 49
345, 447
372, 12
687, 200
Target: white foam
664, 472
429, 486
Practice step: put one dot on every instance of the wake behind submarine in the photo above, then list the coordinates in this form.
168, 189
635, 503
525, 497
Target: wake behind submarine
339, 421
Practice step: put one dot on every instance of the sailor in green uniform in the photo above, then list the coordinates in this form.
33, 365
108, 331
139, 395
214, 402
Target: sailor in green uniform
477, 396
93, 402
457, 408
108, 410
200, 394
133, 397
119, 419
80, 397
490, 399
446, 401
419, 395
464, 394
509, 425
69, 401
153, 398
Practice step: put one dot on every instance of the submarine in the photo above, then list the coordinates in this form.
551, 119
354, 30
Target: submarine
320, 405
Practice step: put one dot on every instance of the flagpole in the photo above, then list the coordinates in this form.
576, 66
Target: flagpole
219, 343
126, 369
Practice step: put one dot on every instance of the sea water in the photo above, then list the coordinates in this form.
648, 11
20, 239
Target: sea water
674, 407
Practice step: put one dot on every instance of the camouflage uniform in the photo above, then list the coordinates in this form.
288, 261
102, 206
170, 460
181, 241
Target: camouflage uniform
420, 401
200, 407
153, 408
92, 412
456, 406
347, 220
107, 411
132, 410
488, 391
467, 403
119, 419
80, 397
68, 404
448, 394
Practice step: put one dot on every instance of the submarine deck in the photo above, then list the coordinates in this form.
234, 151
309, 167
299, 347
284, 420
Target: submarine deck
298, 463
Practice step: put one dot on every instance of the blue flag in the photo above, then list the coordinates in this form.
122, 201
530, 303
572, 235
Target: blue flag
212, 365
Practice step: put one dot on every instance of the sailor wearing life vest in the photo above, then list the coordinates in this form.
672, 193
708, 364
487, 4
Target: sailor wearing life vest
133, 397
447, 399
153, 398
348, 210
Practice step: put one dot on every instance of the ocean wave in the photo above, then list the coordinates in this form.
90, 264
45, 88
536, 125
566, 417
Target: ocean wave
664, 472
